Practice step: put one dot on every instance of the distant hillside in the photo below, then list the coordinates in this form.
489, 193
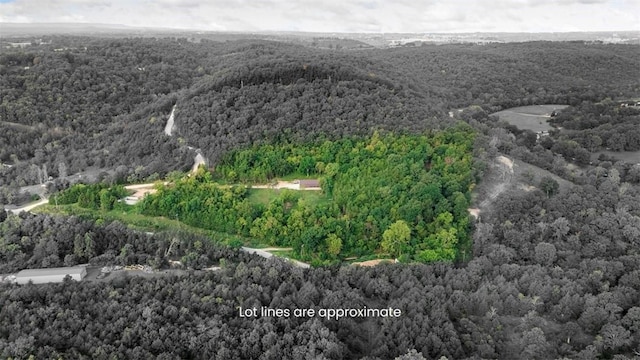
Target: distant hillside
506, 75
104, 102
264, 90
47, 29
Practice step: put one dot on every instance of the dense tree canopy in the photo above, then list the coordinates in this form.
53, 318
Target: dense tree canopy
83, 104
372, 185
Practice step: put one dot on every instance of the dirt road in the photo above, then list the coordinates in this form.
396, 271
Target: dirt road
284, 185
29, 207
266, 254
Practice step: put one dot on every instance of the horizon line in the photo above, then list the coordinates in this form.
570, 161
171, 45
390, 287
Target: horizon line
307, 31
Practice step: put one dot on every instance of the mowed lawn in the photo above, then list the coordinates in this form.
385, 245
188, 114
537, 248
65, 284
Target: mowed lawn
533, 117
265, 196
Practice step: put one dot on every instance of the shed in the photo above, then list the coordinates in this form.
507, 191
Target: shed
309, 184
41, 276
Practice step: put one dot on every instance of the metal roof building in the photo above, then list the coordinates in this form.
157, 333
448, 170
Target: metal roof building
41, 276
309, 184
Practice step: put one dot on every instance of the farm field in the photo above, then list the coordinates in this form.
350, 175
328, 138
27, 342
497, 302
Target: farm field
533, 117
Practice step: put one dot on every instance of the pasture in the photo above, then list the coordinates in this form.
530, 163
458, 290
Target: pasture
631, 157
532, 117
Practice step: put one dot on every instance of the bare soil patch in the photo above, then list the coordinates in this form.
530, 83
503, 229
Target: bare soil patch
283, 185
506, 161
527, 188
374, 262
140, 193
505, 174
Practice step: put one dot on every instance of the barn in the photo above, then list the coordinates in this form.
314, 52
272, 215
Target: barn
309, 184
41, 276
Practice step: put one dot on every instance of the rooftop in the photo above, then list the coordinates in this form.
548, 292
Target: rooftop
51, 271
309, 183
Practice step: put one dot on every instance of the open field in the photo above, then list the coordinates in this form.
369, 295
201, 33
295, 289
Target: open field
632, 157
135, 220
265, 196
533, 117
523, 170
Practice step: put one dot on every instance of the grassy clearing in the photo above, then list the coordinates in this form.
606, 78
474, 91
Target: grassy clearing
631, 157
284, 253
537, 109
524, 121
265, 196
523, 171
297, 176
532, 117
129, 215
369, 257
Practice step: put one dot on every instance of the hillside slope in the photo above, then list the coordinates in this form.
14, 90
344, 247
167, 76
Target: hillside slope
103, 103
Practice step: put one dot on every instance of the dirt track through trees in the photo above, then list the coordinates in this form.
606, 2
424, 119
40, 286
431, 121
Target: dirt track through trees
504, 168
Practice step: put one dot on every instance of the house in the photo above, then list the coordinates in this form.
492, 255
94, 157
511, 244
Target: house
138, 195
42, 276
19, 44
309, 184
541, 134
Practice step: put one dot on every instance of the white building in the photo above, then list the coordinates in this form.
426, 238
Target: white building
41, 276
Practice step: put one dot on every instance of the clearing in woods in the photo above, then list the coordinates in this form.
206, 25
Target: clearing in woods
505, 174
533, 117
631, 157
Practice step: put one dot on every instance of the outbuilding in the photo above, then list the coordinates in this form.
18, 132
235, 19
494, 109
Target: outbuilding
42, 276
309, 184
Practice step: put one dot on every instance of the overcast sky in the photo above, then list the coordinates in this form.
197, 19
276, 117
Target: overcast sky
337, 15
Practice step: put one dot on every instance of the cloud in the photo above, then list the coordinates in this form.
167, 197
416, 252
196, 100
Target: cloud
338, 15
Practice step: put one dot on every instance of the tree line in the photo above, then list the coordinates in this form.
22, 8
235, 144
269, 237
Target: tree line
43, 241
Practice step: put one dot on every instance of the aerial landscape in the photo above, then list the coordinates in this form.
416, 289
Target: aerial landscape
196, 184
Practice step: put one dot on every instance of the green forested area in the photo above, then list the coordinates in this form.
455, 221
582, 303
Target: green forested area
404, 196
96, 196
